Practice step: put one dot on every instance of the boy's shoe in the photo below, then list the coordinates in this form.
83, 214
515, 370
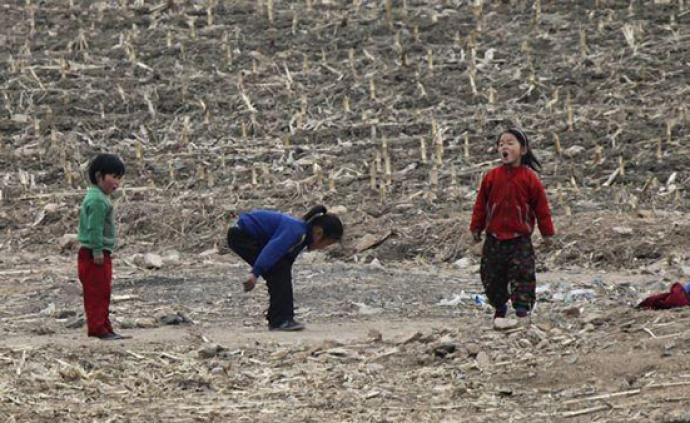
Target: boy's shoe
287, 326
112, 336
501, 312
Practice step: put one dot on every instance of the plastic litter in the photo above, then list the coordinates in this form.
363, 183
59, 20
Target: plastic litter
579, 295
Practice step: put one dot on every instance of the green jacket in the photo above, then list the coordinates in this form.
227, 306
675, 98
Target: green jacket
97, 222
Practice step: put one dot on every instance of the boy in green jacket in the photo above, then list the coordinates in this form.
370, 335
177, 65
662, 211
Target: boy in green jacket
98, 239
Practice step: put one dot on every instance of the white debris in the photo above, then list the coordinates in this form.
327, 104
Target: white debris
455, 300
685, 270
463, 263
376, 264
153, 261
49, 310
172, 257
622, 230
483, 360
208, 252
338, 210
366, 309
573, 151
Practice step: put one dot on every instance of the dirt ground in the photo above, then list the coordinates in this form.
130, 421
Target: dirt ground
386, 112
380, 345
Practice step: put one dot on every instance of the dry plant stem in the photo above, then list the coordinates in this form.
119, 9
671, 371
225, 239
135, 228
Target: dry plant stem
571, 120
557, 144
473, 86
562, 201
388, 172
433, 178
598, 154
295, 21
372, 176
438, 141
331, 182
584, 49
430, 60
553, 101
466, 146
389, 13
269, 11
584, 411
209, 12
351, 59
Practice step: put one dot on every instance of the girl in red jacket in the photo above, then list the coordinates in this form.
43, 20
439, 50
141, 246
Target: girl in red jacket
511, 198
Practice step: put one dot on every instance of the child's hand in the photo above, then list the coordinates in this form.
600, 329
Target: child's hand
477, 236
250, 283
98, 260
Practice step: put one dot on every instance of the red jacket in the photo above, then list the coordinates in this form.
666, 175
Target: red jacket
510, 200
676, 297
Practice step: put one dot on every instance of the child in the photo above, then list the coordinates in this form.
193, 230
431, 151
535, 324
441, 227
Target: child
97, 239
511, 196
270, 242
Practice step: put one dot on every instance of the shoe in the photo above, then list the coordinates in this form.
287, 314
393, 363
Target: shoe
112, 336
521, 312
287, 326
501, 312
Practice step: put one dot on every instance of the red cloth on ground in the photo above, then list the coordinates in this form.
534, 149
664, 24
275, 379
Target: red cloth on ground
677, 297
97, 283
510, 199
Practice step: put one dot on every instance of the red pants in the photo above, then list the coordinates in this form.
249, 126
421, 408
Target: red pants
97, 282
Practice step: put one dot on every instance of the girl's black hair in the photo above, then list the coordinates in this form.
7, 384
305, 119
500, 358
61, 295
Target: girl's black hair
529, 159
330, 224
106, 164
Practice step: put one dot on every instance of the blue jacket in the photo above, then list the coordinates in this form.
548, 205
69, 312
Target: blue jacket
278, 234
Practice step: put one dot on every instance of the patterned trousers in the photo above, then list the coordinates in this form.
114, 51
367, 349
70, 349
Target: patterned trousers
508, 272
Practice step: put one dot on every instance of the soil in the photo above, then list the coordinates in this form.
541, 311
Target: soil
371, 345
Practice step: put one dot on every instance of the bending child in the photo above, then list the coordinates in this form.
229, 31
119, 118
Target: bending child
511, 198
270, 242
97, 236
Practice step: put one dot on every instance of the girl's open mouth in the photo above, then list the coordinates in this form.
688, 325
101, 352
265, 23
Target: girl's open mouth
504, 154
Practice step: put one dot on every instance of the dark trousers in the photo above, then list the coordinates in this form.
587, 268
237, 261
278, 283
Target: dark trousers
508, 265
278, 279
97, 283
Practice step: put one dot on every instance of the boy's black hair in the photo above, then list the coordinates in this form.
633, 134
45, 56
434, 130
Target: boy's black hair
529, 159
106, 164
330, 224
